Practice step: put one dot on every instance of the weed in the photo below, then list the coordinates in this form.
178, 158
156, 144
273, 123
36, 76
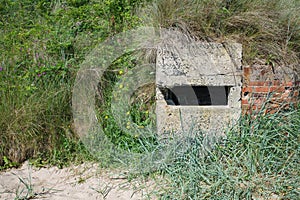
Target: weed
43, 43
27, 189
258, 161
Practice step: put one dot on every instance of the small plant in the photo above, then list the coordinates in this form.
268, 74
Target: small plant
27, 192
8, 163
104, 191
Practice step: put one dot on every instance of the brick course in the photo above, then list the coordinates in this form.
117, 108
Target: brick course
268, 90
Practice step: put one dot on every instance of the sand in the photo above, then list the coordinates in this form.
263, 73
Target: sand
85, 181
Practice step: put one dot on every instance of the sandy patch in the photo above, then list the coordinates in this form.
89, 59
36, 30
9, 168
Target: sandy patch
85, 181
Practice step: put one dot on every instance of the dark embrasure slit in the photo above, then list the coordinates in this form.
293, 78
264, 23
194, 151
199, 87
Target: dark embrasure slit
196, 95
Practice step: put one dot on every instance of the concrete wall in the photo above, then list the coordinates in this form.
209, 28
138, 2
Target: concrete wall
199, 64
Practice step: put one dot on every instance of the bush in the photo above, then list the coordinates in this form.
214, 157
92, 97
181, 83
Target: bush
43, 43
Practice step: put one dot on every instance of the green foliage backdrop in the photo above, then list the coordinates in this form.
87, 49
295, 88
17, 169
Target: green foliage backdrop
42, 44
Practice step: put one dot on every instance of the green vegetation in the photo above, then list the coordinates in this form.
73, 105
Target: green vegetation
42, 44
268, 29
260, 161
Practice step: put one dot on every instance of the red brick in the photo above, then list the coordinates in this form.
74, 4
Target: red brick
245, 102
274, 105
265, 83
278, 100
247, 71
246, 77
288, 84
285, 95
277, 88
276, 95
245, 107
246, 112
258, 83
282, 94
263, 89
247, 89
257, 101
266, 89
256, 107
258, 95
272, 111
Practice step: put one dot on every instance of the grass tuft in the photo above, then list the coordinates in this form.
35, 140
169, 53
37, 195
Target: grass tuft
258, 159
265, 28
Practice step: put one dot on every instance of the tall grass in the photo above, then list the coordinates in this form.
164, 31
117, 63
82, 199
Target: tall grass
258, 159
268, 29
42, 44
36, 122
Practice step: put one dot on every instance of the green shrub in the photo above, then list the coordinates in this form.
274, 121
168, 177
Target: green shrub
42, 44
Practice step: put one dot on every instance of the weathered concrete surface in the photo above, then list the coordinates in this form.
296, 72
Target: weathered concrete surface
198, 64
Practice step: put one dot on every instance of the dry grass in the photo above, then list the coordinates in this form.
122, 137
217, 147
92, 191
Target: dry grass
268, 30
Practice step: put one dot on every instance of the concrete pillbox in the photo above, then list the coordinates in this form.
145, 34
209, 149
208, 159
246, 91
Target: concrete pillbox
198, 86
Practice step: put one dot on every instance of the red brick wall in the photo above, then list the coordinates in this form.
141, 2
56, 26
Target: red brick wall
268, 90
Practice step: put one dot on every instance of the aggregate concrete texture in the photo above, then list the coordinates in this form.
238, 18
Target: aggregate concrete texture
199, 72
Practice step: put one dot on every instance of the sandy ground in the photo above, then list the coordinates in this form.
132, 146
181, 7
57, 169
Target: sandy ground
85, 181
